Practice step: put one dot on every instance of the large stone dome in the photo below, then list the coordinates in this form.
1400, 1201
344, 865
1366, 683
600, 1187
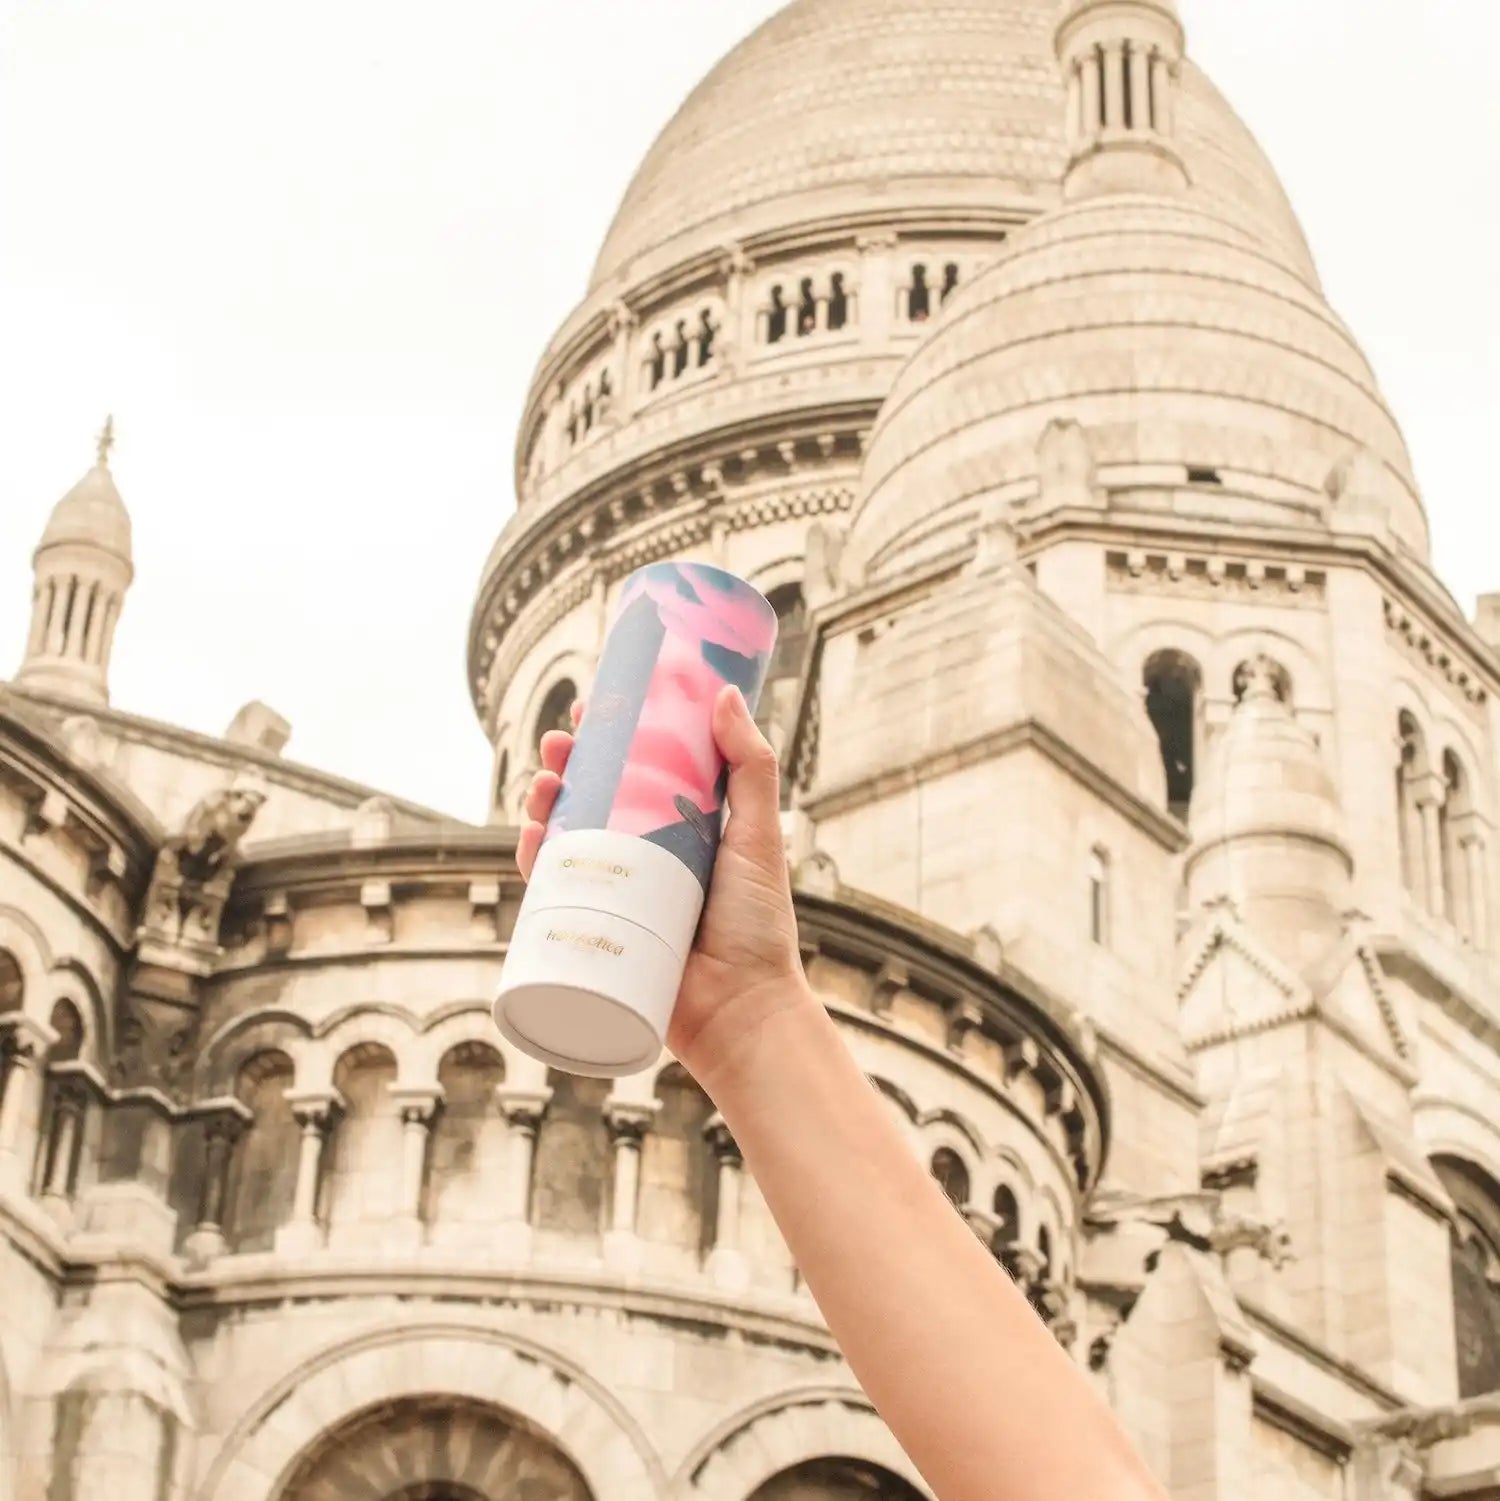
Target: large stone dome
893, 108
1176, 340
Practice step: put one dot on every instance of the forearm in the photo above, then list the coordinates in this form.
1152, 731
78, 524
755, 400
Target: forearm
975, 1389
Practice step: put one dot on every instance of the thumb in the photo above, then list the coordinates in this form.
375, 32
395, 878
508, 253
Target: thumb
754, 777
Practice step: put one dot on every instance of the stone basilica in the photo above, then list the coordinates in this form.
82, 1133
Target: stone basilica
1141, 796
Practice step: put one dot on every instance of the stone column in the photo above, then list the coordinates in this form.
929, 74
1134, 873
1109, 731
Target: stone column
1472, 844
1114, 85
1429, 792
523, 1110
738, 333
1092, 85
220, 1133
628, 1122
23, 1049
1075, 105
1140, 88
315, 1112
1161, 86
877, 286
726, 1262
418, 1107
65, 1136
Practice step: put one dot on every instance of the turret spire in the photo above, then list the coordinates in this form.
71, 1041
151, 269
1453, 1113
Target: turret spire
1122, 61
82, 568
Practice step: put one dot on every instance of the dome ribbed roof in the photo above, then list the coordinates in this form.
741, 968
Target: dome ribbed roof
894, 106
91, 513
1171, 335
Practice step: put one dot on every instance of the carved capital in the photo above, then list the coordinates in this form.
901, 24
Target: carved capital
315, 1110
417, 1103
523, 1108
629, 1120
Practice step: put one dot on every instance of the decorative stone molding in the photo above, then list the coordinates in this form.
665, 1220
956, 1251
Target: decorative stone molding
1423, 644
1213, 576
552, 1394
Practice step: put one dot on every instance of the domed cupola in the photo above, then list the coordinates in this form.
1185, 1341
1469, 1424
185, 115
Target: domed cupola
1210, 383
1121, 61
1267, 826
82, 568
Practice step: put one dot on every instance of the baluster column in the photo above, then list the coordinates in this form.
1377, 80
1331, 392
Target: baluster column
628, 1122
221, 1133
23, 1050
523, 1110
726, 1262
316, 1112
1430, 791
418, 1107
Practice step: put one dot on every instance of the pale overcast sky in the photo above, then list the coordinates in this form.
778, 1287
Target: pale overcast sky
307, 252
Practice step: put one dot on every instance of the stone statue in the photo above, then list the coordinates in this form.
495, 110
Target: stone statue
195, 868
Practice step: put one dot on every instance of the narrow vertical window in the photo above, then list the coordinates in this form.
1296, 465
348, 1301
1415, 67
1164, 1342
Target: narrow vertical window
838, 303
919, 298
950, 282
1099, 896
706, 332
1173, 682
952, 1176
807, 308
777, 321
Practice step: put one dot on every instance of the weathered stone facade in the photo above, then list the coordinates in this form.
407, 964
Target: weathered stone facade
1142, 791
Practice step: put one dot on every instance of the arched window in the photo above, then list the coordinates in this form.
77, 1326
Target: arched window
679, 1176
572, 1157
838, 303
783, 673
364, 1177
1411, 771
467, 1159
1281, 679
1007, 1236
950, 281
1099, 895
919, 296
656, 362
807, 307
680, 348
1173, 685
264, 1175
65, 1107
952, 1176
557, 708
835, 1480
12, 984
1475, 1251
707, 330
1452, 813
776, 319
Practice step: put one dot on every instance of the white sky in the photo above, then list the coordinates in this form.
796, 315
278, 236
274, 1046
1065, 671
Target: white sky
307, 253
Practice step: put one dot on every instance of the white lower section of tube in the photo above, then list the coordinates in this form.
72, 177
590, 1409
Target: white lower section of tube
594, 964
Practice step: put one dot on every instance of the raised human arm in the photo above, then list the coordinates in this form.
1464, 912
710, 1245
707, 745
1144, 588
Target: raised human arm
974, 1387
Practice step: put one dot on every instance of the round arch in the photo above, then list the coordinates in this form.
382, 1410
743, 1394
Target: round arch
543, 1391
432, 1449
763, 1441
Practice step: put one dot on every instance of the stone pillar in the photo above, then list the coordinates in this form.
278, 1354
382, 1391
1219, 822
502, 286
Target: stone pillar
1092, 85
220, 1133
23, 1049
1140, 88
1161, 92
418, 1109
1114, 85
877, 287
1478, 914
1075, 105
738, 333
726, 1262
1429, 791
523, 1110
628, 1122
315, 1112
65, 1137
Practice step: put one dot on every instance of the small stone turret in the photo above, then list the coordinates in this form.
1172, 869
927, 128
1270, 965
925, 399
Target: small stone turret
82, 568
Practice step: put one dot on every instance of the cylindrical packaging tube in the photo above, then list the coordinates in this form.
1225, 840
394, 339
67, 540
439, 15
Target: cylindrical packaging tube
594, 963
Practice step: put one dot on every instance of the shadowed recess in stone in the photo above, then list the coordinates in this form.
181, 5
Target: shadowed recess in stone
836, 1480
434, 1450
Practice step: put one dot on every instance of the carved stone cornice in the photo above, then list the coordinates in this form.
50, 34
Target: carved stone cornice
1038, 1034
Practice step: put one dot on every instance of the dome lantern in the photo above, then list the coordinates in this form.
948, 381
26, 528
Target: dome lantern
1122, 62
82, 568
